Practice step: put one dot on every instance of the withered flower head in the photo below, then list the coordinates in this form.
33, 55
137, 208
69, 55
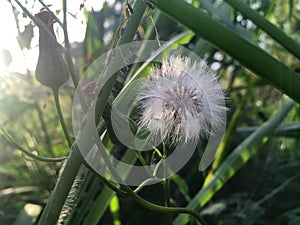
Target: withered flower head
181, 101
51, 69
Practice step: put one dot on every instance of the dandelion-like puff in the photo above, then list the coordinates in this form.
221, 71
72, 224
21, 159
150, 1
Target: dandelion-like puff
181, 102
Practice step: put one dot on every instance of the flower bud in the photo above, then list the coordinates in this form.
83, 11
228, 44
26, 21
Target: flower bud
51, 69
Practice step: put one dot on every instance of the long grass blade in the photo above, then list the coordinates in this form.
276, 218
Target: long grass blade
267, 26
248, 54
238, 158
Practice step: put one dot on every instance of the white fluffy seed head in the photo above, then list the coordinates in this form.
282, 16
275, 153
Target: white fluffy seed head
181, 101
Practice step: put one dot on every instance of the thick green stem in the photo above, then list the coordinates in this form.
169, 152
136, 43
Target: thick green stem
58, 196
133, 22
127, 36
53, 208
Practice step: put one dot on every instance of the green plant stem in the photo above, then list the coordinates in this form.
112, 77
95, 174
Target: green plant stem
73, 200
277, 34
127, 36
133, 22
167, 194
11, 140
57, 199
67, 47
146, 182
67, 52
44, 128
38, 22
277, 189
54, 205
88, 182
151, 32
106, 182
237, 159
242, 50
53, 208
48, 9
222, 151
61, 117
166, 210
166, 184
141, 158
143, 162
147, 204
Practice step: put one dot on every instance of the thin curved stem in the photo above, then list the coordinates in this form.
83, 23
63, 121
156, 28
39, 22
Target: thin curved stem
61, 118
48, 9
146, 182
144, 163
107, 182
11, 140
143, 202
166, 210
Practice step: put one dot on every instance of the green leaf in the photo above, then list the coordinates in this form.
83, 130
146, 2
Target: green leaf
100, 206
25, 37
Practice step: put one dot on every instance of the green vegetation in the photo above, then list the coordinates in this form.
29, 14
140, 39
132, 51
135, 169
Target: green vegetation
253, 45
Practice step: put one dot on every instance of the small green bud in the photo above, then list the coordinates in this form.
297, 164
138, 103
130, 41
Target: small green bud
51, 69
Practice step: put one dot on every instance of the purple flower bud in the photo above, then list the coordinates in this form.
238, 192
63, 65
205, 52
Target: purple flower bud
51, 69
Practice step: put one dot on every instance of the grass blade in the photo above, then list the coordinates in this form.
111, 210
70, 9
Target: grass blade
251, 56
235, 161
267, 26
